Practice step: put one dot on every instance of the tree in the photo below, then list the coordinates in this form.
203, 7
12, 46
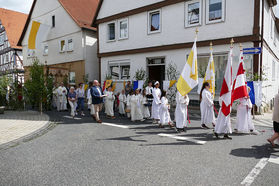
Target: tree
4, 83
35, 86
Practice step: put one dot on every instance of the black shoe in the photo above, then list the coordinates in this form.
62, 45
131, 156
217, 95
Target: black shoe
226, 136
204, 126
216, 135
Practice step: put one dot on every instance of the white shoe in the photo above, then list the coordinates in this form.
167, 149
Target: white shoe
255, 132
142, 120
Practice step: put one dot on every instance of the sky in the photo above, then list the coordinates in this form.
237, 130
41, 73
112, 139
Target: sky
17, 5
25, 5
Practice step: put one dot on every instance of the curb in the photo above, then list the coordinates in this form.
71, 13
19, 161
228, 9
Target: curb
48, 126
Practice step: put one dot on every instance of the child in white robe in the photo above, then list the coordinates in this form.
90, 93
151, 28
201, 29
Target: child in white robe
181, 111
109, 103
128, 106
223, 123
144, 105
207, 106
244, 122
136, 114
156, 103
122, 102
164, 111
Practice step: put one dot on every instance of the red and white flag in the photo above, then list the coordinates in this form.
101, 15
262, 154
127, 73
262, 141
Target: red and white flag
226, 90
239, 85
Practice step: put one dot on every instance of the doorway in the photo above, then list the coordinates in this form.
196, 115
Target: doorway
156, 69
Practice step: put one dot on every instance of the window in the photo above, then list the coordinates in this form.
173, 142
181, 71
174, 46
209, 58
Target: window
30, 53
70, 45
215, 11
72, 78
111, 31
62, 46
154, 21
7, 58
273, 70
123, 29
53, 21
192, 13
45, 49
1, 39
119, 71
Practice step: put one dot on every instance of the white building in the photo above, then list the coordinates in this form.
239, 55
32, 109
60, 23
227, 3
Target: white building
11, 26
71, 46
151, 34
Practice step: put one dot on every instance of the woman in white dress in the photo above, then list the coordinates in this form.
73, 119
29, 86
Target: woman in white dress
144, 105
89, 100
244, 122
164, 111
136, 114
207, 107
122, 102
109, 103
156, 102
181, 111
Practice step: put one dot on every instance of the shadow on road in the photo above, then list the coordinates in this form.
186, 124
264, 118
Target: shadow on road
126, 138
257, 152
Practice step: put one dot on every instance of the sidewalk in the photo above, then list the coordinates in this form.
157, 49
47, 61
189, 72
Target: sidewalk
15, 125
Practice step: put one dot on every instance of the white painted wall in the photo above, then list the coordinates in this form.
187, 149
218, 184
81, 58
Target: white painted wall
65, 28
178, 57
91, 59
111, 7
271, 36
238, 22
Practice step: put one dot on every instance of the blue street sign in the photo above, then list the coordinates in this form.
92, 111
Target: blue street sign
252, 50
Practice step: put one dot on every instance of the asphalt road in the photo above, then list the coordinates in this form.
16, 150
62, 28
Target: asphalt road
81, 152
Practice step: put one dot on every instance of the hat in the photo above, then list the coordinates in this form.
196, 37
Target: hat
156, 83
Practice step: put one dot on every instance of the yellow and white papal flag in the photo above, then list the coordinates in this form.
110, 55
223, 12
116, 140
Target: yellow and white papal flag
38, 34
189, 76
210, 74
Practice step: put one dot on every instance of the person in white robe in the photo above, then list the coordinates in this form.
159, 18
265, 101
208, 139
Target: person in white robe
122, 102
62, 97
223, 124
144, 105
136, 114
128, 102
244, 122
207, 107
181, 111
109, 103
164, 111
89, 100
156, 102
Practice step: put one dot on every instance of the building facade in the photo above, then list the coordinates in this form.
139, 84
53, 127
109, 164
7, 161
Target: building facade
11, 26
156, 33
70, 50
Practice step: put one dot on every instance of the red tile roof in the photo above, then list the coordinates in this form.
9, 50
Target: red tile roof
14, 23
82, 11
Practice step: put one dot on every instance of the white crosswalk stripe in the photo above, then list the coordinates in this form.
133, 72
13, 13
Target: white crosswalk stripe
182, 138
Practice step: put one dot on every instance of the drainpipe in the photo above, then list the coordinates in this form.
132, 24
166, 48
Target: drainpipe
262, 39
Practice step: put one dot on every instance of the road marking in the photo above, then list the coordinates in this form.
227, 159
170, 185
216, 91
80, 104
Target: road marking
114, 125
182, 138
71, 117
255, 172
274, 159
